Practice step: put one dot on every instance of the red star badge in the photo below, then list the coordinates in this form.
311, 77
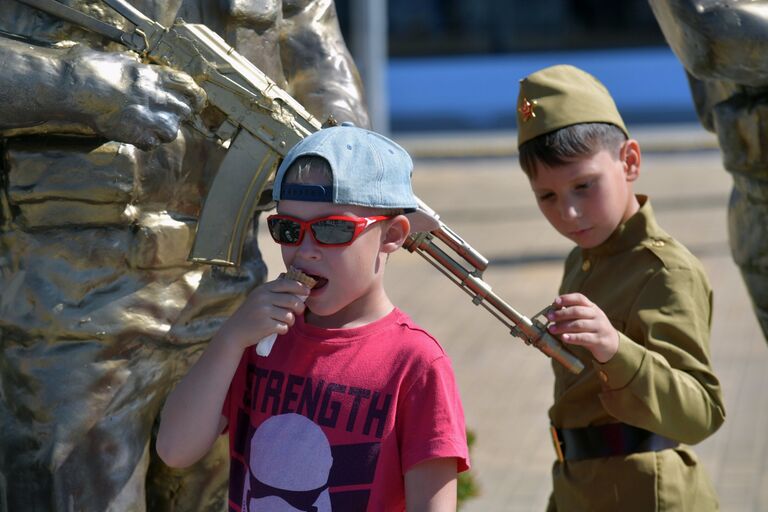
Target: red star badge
526, 109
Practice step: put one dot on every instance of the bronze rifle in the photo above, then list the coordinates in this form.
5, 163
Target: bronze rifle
259, 122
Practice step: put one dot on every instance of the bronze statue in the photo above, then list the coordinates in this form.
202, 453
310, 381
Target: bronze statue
723, 46
102, 183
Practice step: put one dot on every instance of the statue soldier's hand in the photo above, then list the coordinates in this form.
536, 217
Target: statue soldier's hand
123, 99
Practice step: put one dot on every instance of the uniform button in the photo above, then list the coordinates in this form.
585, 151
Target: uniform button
658, 243
585, 266
603, 377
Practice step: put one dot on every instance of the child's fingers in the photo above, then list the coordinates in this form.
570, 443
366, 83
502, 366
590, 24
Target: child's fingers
570, 313
288, 286
289, 302
584, 339
571, 299
275, 320
283, 318
580, 325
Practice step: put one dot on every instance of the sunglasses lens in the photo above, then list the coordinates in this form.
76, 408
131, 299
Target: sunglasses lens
333, 232
284, 231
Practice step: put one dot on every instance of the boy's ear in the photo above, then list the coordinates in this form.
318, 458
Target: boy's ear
630, 157
395, 233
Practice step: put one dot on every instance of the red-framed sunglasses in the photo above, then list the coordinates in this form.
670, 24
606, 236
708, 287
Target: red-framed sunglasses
334, 230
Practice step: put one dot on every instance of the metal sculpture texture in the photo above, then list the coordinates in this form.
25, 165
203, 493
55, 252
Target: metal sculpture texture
101, 186
722, 45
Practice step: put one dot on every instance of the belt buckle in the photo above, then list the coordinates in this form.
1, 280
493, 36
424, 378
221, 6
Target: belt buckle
557, 443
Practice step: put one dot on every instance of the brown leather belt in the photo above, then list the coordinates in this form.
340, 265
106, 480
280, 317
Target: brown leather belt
611, 440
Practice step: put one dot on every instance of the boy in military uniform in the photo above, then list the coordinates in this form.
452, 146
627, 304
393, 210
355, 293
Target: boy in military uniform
634, 305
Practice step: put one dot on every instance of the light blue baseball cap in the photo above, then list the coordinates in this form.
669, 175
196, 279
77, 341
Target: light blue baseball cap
368, 170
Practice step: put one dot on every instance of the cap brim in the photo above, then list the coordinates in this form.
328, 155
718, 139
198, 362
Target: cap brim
423, 219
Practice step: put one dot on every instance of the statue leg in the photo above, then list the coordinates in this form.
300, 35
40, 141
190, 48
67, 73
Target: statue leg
75, 433
747, 221
25, 490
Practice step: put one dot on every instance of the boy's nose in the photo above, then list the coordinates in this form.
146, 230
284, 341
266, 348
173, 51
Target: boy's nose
308, 248
569, 211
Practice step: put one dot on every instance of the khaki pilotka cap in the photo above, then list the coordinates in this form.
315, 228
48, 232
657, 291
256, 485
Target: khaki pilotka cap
559, 96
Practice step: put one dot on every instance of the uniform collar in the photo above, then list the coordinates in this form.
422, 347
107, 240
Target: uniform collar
637, 228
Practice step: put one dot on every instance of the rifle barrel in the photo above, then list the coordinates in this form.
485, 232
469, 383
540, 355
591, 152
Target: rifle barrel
482, 294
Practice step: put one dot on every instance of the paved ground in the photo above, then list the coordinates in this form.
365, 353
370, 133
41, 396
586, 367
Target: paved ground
507, 386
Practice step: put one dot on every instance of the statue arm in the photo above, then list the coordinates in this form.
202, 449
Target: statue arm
32, 86
84, 91
717, 39
318, 66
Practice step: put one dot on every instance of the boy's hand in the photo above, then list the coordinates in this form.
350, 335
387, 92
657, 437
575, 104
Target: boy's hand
578, 321
270, 308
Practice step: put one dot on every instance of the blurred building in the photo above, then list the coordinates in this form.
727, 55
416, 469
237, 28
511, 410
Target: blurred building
454, 64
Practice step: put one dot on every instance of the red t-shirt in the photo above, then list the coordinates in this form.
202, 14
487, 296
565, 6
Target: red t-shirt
334, 418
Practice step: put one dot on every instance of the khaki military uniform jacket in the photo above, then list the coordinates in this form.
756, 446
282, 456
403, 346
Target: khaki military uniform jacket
657, 296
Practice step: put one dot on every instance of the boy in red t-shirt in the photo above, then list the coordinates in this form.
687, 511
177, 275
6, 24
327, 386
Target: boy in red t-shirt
355, 407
